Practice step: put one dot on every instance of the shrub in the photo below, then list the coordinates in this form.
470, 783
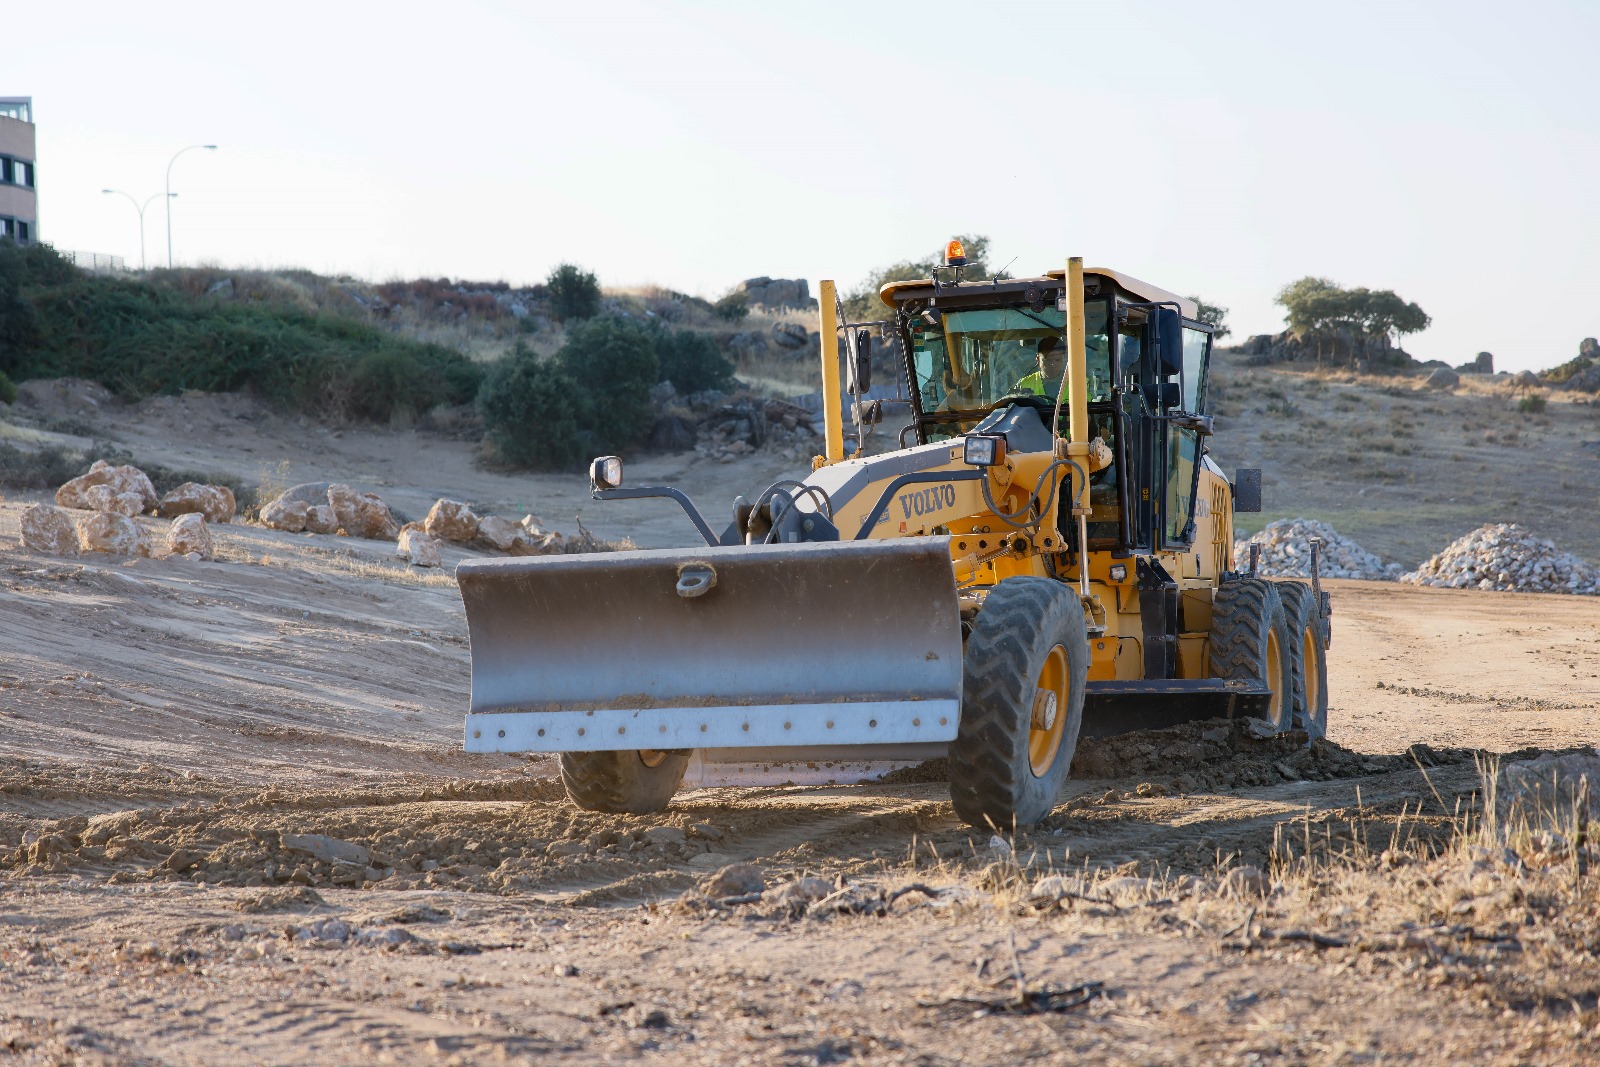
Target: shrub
574, 293
691, 361
138, 338
613, 361
8, 389
1532, 404
532, 411
733, 307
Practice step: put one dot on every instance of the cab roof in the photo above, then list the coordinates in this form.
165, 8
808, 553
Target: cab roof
1142, 289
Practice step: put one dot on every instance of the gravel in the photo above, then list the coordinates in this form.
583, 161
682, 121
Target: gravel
1286, 553
1506, 557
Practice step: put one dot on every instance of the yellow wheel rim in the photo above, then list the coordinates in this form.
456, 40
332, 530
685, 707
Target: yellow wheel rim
651, 757
1275, 676
1313, 661
1048, 713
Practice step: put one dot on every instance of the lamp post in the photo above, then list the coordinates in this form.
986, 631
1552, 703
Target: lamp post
140, 208
170, 162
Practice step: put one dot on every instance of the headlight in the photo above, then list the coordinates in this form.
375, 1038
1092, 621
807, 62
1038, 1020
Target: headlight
982, 451
606, 472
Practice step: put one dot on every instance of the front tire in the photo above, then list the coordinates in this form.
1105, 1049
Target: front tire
1307, 654
623, 783
1250, 641
1026, 662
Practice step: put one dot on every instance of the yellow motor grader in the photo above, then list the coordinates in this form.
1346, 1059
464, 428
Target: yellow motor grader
1051, 558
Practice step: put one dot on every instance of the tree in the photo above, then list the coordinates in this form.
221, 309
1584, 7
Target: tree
531, 412
613, 362
1320, 311
1213, 315
691, 361
861, 304
574, 293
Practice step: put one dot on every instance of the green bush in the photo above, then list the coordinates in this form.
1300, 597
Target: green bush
532, 411
613, 361
1532, 404
8, 390
691, 361
733, 307
574, 293
138, 339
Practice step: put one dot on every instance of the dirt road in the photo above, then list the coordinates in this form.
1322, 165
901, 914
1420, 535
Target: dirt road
235, 822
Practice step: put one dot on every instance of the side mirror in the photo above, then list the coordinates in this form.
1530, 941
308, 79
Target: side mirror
861, 362
1247, 490
1169, 340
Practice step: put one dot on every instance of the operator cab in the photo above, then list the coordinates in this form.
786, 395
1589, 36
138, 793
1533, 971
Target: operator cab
974, 348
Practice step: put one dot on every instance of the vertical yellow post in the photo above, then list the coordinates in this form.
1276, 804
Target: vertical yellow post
828, 336
1077, 359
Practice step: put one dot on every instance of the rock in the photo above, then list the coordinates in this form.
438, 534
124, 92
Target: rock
706, 831
503, 535
777, 292
734, 880
1443, 378
330, 930
320, 519
109, 532
215, 502
189, 534
417, 548
1589, 347
361, 514
49, 529
709, 859
1246, 882
1261, 728
308, 493
451, 520
1551, 792
665, 835
328, 849
790, 335
1483, 363
285, 514
1051, 887
1525, 379
120, 480
106, 498
672, 433
566, 849
662, 393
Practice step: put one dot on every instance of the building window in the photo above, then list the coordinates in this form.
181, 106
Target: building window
16, 171
5, 169
23, 233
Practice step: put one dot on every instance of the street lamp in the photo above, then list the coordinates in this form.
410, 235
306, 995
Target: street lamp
170, 162
140, 209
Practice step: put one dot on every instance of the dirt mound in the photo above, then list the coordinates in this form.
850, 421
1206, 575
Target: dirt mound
1508, 558
1286, 552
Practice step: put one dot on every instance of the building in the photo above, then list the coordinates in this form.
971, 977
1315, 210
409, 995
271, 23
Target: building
19, 198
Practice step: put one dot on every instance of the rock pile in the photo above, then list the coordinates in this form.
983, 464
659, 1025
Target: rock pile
331, 507
215, 502
1506, 557
456, 522
1286, 553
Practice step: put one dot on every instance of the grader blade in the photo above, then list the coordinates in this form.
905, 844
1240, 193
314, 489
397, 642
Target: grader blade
814, 649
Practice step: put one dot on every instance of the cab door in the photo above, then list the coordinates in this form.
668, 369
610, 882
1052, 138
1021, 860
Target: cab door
1183, 447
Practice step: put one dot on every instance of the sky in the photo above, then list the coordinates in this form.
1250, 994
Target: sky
1447, 151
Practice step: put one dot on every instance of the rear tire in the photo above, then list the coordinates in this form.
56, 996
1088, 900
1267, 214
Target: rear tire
1025, 665
1250, 641
1308, 661
623, 783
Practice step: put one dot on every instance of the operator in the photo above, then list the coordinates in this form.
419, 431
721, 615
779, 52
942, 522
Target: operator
1046, 381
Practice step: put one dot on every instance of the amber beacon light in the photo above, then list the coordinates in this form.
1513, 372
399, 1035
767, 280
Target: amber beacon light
955, 255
